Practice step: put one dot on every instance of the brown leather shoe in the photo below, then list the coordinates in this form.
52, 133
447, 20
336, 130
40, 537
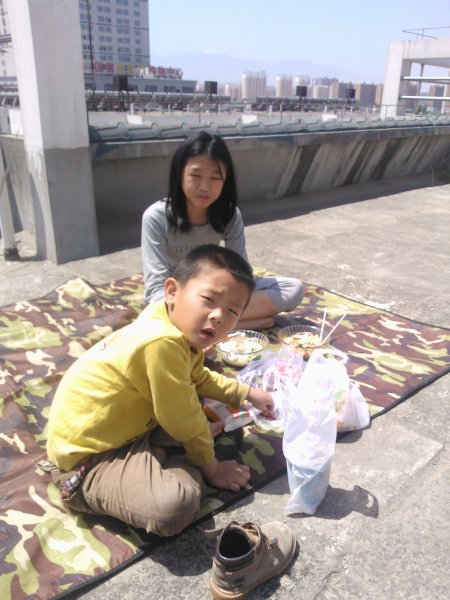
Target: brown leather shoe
248, 554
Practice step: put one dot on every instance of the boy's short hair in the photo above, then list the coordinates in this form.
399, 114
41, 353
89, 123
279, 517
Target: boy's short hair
217, 257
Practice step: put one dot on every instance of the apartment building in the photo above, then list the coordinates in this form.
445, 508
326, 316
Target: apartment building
7, 66
116, 49
115, 36
233, 90
254, 84
283, 86
365, 93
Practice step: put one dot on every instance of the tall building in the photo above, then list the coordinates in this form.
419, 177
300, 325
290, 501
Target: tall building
338, 90
7, 66
115, 36
283, 86
253, 84
319, 91
379, 94
302, 80
365, 93
115, 42
234, 90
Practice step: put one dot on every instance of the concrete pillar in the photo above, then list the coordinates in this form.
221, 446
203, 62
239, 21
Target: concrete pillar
394, 87
47, 48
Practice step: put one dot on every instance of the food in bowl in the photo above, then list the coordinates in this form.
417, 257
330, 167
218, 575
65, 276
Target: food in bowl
241, 347
304, 338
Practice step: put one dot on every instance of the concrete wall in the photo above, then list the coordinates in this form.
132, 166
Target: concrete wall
130, 176
18, 182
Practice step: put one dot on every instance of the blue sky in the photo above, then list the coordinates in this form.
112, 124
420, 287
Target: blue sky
353, 35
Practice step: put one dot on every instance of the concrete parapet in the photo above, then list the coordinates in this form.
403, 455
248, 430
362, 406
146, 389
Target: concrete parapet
130, 176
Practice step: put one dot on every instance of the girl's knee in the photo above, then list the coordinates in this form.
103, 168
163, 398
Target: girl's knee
297, 293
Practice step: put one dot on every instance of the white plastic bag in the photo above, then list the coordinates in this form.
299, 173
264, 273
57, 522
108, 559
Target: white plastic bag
309, 439
352, 411
273, 372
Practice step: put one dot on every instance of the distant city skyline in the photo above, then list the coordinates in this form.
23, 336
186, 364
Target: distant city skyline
351, 37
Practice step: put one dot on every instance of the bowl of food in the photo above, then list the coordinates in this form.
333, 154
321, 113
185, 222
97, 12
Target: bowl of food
303, 338
241, 347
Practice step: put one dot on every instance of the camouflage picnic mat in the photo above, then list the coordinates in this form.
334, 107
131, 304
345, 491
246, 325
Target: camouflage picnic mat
46, 552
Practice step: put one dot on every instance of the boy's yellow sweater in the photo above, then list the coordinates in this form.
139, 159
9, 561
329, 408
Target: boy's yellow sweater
140, 376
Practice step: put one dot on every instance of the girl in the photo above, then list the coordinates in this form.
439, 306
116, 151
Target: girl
201, 208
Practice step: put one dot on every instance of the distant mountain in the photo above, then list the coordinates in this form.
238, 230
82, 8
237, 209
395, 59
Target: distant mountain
227, 69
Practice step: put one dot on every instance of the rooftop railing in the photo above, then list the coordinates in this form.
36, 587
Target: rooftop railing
438, 32
122, 132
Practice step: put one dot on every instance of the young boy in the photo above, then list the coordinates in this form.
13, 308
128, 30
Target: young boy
148, 374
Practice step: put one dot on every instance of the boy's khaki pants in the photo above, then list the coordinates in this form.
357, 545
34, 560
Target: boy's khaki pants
141, 485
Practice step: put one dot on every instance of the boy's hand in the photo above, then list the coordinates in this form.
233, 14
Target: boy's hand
226, 474
261, 400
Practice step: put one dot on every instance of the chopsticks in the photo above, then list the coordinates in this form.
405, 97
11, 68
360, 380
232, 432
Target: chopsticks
329, 334
228, 336
323, 323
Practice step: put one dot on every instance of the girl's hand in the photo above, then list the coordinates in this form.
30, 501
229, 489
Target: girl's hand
261, 400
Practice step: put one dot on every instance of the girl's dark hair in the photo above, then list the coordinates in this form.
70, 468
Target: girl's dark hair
217, 257
222, 210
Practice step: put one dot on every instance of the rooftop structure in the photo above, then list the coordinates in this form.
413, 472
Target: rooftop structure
432, 51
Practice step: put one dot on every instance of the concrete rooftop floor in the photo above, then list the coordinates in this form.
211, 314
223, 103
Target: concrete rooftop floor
383, 530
